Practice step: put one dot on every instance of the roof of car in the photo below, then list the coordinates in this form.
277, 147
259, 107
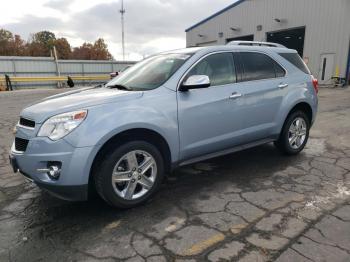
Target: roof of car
230, 48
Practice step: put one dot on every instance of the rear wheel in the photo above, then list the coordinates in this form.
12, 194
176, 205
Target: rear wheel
295, 133
130, 174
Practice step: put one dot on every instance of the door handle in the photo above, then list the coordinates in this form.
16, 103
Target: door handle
235, 95
281, 86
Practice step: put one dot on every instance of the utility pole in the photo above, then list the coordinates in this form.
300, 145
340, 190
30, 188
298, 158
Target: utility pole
57, 65
122, 12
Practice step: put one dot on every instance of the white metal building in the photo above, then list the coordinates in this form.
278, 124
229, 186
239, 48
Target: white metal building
318, 29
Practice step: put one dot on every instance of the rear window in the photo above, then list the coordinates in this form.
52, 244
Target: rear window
296, 60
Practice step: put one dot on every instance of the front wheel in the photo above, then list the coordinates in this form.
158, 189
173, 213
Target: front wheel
295, 133
130, 174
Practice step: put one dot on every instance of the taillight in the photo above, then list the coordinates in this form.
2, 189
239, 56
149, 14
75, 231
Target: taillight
315, 84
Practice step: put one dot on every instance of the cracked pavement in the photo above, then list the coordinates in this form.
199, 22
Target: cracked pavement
255, 205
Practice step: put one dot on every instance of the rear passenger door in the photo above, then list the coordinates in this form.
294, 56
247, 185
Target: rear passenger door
262, 83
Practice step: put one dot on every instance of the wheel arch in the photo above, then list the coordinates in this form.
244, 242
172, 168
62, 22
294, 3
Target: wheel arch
302, 106
120, 138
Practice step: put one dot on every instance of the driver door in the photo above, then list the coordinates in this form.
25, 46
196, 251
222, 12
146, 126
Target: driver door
210, 119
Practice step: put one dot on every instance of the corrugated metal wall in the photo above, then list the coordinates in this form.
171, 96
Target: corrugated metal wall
327, 26
46, 66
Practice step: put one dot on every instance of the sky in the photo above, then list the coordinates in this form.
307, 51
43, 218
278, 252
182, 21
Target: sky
151, 26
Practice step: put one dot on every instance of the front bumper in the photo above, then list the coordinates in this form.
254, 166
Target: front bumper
71, 193
72, 184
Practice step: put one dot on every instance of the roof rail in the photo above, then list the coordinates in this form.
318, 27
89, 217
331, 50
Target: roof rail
255, 43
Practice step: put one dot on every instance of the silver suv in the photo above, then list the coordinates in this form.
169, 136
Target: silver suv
169, 110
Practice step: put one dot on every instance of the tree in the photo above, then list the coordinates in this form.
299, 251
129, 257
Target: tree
83, 52
18, 47
41, 43
5, 38
46, 38
96, 51
11, 45
63, 48
100, 50
36, 49
5, 35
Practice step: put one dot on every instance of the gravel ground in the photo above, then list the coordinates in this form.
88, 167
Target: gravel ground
255, 205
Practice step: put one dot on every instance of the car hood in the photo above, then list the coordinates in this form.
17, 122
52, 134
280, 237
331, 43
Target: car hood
75, 100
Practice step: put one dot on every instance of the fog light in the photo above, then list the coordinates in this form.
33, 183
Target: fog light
54, 172
53, 169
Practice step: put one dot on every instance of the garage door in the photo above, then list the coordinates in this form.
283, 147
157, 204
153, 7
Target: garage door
291, 38
241, 38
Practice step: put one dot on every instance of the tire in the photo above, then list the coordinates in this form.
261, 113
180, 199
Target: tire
286, 143
131, 187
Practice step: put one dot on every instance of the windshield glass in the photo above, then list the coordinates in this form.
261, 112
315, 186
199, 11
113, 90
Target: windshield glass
150, 73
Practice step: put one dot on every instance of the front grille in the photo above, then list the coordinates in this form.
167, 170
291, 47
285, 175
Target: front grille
26, 122
21, 144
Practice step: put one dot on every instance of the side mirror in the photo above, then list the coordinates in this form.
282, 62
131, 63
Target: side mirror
194, 82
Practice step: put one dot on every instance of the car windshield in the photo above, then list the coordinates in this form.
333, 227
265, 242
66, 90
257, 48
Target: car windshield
149, 73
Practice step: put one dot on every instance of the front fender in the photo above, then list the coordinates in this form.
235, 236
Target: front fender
155, 111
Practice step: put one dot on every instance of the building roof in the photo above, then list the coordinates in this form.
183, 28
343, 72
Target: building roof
215, 14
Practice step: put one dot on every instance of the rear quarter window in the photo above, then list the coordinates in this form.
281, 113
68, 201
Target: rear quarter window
296, 60
258, 66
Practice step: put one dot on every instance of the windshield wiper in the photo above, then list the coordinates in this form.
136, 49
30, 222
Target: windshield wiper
120, 87
100, 85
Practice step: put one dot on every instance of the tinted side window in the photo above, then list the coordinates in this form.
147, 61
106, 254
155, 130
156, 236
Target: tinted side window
258, 66
279, 70
219, 67
296, 60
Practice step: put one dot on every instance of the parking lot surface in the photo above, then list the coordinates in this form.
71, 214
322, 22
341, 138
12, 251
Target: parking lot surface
255, 205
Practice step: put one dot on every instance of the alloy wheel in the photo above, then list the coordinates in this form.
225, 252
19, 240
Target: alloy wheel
134, 174
297, 133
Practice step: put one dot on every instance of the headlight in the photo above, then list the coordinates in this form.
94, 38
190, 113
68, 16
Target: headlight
61, 125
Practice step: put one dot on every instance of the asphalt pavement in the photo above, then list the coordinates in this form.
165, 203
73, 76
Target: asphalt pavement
255, 205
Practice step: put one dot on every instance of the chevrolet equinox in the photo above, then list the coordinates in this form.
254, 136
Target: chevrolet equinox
169, 110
